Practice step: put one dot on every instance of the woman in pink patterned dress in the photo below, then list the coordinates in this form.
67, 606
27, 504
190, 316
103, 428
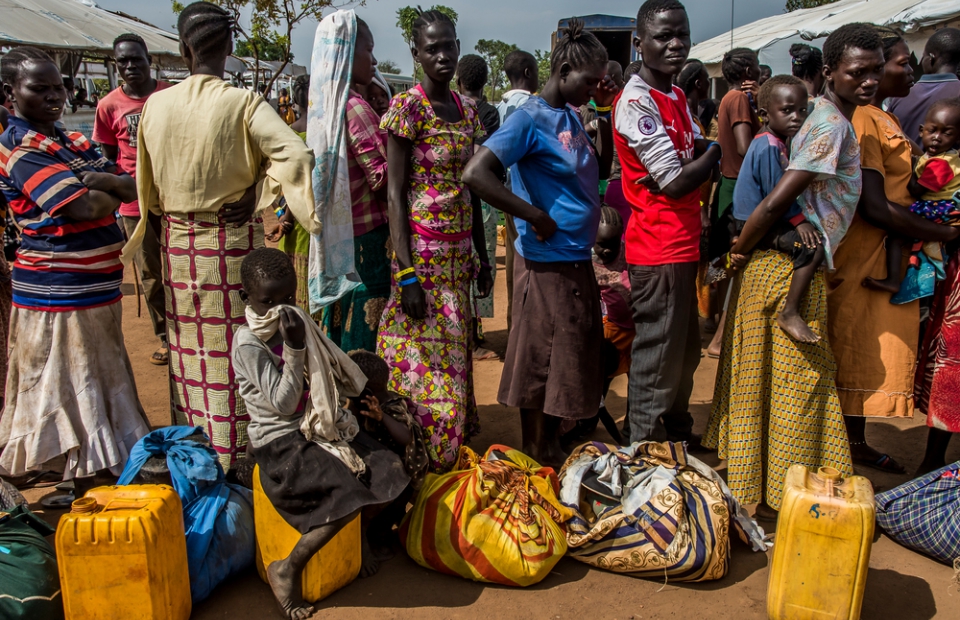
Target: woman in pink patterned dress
425, 333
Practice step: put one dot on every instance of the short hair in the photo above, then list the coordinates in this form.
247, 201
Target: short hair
766, 91
472, 72
689, 74
578, 48
806, 62
856, 35
372, 366
130, 37
301, 90
426, 18
736, 62
767, 69
952, 103
889, 38
611, 217
206, 29
517, 62
262, 265
945, 43
632, 69
650, 8
13, 61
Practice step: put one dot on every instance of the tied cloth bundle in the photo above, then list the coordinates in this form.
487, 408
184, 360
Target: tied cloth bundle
325, 421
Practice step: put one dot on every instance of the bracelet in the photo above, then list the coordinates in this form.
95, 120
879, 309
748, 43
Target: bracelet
409, 281
281, 211
404, 272
606, 108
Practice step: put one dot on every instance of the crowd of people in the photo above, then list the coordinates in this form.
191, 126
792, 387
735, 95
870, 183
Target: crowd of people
625, 192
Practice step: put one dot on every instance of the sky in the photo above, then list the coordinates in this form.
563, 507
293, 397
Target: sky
525, 23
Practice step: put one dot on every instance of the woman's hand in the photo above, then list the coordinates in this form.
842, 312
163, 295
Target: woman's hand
606, 92
808, 235
240, 212
413, 301
484, 282
544, 226
292, 329
371, 408
284, 227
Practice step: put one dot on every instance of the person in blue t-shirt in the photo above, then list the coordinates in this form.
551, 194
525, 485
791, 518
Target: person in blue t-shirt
783, 104
552, 369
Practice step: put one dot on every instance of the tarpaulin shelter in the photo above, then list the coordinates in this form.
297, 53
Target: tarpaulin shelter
773, 36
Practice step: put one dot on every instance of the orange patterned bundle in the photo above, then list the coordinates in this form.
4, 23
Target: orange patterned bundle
495, 519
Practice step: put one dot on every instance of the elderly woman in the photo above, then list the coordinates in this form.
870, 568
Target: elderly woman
70, 388
203, 172
874, 341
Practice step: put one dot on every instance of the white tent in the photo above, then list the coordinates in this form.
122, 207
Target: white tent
79, 26
773, 36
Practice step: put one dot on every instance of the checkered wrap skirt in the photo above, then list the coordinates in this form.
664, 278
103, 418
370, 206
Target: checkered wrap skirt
201, 281
775, 403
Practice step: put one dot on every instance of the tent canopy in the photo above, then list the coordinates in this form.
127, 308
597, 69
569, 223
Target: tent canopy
773, 36
78, 26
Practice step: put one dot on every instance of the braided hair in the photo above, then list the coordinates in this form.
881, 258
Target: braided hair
889, 38
650, 8
427, 18
687, 80
578, 48
130, 37
632, 69
13, 61
766, 91
856, 35
262, 265
806, 61
611, 217
301, 91
736, 63
206, 29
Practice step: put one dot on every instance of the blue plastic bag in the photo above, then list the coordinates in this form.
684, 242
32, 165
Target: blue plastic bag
919, 282
217, 516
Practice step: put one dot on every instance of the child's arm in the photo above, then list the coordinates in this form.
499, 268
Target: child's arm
772, 208
399, 431
913, 186
934, 177
282, 388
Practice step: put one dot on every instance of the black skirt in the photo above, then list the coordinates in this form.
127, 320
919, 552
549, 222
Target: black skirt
310, 487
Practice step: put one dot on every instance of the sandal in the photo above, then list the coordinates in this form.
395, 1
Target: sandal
885, 463
480, 354
160, 357
58, 502
37, 480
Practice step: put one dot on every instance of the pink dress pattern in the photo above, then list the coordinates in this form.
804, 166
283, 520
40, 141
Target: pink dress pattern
431, 360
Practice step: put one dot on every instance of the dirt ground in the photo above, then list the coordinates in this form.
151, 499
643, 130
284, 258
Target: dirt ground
901, 584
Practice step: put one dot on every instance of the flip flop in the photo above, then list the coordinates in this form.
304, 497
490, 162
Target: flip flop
58, 502
38, 480
884, 463
480, 354
160, 357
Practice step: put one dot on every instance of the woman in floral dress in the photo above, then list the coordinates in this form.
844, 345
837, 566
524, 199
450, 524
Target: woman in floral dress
425, 334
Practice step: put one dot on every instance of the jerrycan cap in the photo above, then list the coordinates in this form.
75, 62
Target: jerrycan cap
85, 505
829, 474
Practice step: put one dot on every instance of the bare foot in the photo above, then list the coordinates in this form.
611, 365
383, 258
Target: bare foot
887, 285
796, 328
285, 583
369, 563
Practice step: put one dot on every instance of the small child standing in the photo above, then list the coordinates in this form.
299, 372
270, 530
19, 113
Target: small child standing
391, 419
317, 467
936, 179
783, 105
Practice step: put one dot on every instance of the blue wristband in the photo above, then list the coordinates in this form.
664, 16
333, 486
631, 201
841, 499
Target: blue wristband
409, 281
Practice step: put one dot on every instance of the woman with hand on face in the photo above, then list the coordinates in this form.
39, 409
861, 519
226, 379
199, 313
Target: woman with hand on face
209, 156
425, 333
553, 368
71, 390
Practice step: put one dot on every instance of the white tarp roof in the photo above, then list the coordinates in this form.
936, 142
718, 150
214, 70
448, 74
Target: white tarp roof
76, 25
773, 36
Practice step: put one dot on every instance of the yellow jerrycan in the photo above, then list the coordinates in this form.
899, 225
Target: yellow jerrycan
123, 555
333, 567
822, 547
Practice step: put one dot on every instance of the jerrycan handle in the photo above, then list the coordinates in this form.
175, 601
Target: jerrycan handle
126, 504
831, 477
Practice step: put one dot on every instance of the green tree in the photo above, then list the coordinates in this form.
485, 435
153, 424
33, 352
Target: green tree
268, 49
405, 18
793, 5
495, 52
543, 66
269, 27
388, 66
